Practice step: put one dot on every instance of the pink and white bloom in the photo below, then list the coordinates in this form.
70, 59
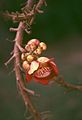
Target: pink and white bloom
42, 71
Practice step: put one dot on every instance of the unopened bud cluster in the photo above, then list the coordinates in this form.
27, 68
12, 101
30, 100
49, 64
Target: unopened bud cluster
33, 48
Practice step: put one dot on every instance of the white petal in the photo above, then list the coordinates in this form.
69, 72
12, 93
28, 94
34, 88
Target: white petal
33, 67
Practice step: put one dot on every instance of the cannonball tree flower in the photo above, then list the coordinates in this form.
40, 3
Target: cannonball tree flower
42, 71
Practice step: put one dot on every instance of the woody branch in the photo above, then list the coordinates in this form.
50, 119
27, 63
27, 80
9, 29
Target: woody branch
29, 15
69, 86
18, 73
16, 53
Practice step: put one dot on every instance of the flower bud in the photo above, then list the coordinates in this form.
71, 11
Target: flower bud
32, 45
43, 61
28, 48
23, 56
25, 65
26, 54
35, 41
38, 51
30, 58
43, 45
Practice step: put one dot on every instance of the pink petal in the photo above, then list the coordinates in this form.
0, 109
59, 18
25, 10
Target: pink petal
36, 41
42, 81
28, 77
55, 69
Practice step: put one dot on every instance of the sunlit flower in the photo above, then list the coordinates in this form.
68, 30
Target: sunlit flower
43, 71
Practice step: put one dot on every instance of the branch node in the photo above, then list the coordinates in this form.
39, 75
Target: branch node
31, 92
20, 48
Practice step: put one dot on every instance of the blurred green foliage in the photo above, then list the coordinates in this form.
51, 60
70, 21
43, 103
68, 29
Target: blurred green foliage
61, 28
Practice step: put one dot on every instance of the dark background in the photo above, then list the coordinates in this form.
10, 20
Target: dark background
60, 27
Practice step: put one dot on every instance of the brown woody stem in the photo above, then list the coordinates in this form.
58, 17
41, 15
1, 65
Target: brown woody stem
25, 96
30, 9
69, 86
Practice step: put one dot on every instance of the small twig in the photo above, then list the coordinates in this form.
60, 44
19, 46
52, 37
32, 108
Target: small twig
9, 40
12, 71
39, 4
32, 92
30, 3
13, 29
69, 86
29, 91
45, 115
28, 32
11, 52
28, 12
6, 63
